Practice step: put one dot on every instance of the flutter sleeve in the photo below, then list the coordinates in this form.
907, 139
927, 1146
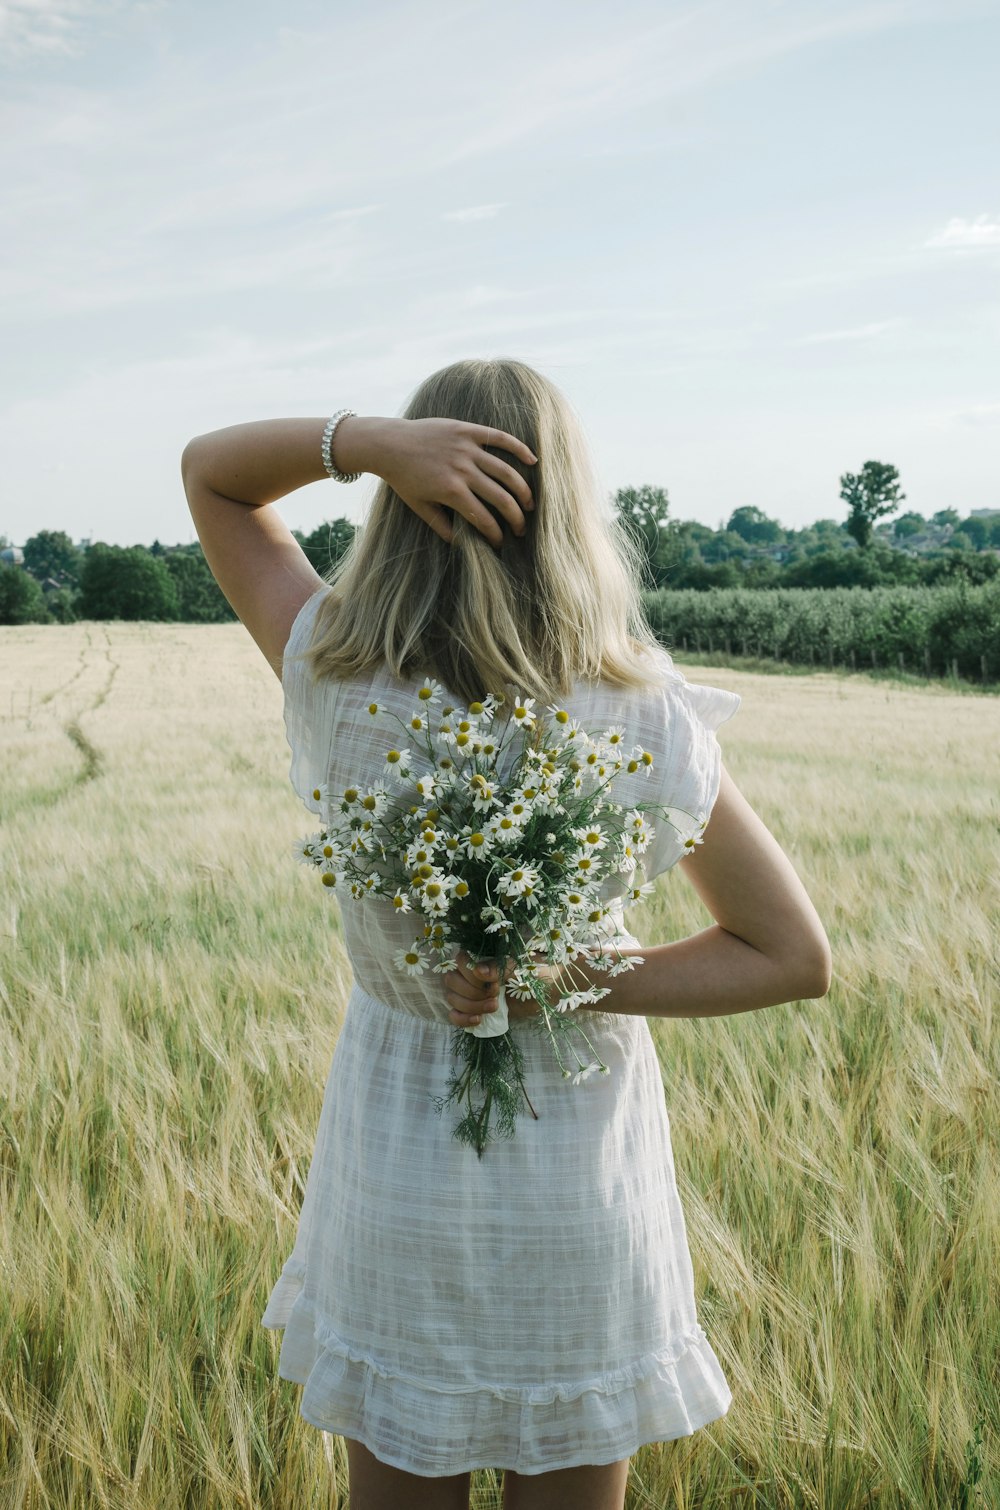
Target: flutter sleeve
308, 709
691, 772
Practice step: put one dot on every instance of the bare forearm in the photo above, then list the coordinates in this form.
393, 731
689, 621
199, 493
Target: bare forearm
265, 459
710, 974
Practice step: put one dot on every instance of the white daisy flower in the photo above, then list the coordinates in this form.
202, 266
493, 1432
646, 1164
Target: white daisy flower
411, 960
304, 849
477, 843
627, 962
430, 690
521, 713
397, 765
585, 1073
519, 882
327, 851
483, 793
585, 867
374, 802
434, 892
590, 839
505, 829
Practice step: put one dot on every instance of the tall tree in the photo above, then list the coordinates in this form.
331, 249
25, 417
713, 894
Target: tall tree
755, 526
126, 582
869, 494
51, 553
21, 599
327, 543
199, 598
643, 512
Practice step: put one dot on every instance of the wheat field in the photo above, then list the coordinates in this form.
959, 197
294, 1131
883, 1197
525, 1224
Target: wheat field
171, 988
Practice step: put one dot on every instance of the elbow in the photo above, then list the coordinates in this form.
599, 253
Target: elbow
189, 459
816, 975
186, 459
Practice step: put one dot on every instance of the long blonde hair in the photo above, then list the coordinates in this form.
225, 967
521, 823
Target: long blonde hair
559, 604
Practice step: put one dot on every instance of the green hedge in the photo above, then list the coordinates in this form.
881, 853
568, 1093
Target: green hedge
934, 631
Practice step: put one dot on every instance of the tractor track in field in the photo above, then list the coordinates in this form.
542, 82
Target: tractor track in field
91, 755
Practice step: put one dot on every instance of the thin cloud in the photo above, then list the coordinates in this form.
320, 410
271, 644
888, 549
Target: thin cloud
854, 333
46, 26
475, 212
977, 415
967, 233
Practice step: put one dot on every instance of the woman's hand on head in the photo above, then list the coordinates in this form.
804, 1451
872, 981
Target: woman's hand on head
439, 464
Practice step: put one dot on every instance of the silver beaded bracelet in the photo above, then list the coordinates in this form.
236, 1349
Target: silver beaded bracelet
326, 447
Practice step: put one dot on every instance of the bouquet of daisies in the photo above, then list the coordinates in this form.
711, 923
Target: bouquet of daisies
509, 869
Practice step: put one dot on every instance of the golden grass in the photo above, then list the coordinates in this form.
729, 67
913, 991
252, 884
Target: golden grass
171, 988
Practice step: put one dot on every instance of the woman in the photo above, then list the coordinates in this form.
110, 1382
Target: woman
534, 1310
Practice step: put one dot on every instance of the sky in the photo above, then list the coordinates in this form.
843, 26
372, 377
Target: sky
755, 243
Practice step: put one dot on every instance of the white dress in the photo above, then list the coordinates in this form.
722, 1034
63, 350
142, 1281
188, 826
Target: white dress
533, 1309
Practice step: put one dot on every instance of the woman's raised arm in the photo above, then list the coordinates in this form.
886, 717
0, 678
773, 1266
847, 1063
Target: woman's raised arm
232, 476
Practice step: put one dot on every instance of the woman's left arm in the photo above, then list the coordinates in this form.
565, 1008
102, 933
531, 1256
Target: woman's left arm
232, 475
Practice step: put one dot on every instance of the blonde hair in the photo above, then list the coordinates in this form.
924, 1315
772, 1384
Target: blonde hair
559, 604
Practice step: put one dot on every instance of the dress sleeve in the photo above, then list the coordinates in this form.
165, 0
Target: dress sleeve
308, 709
692, 768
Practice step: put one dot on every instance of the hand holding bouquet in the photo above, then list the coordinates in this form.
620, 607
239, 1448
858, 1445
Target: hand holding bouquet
508, 867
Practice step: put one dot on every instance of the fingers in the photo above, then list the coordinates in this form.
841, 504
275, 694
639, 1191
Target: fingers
504, 442
509, 480
437, 517
470, 995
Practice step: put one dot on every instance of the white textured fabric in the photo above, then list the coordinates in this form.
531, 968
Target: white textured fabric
534, 1309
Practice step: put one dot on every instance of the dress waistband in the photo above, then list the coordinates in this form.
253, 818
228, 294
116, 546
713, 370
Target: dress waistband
376, 1004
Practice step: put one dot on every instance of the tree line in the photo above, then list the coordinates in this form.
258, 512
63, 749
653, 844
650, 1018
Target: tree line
59, 582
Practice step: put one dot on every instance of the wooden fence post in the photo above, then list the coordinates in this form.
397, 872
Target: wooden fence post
854, 664
874, 659
927, 660
901, 660
982, 667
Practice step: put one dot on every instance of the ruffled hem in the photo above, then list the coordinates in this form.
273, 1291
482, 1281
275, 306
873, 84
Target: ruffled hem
536, 1429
